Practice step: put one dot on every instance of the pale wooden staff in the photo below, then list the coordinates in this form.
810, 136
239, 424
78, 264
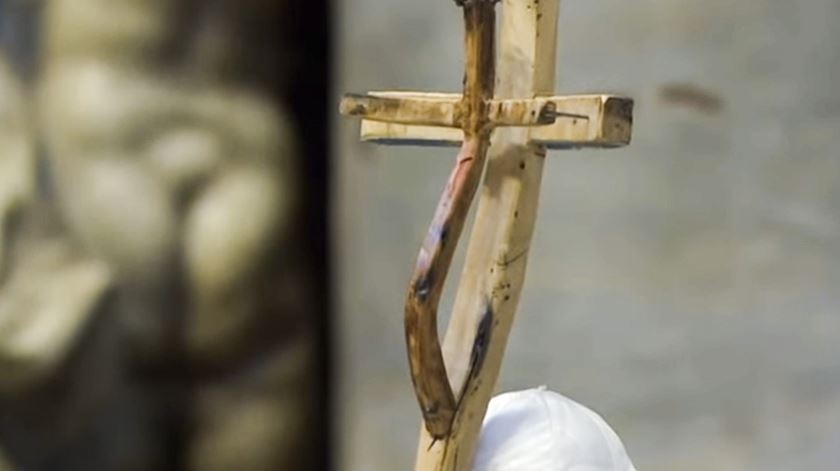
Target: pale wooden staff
494, 271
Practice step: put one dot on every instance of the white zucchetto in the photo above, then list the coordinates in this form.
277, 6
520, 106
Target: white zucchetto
540, 430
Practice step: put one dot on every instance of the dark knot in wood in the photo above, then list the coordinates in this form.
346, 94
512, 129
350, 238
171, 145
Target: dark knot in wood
468, 3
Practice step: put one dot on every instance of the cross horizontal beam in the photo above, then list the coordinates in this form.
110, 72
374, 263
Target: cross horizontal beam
446, 110
430, 109
431, 119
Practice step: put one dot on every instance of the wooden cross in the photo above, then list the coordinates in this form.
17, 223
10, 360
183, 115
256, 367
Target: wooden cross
507, 120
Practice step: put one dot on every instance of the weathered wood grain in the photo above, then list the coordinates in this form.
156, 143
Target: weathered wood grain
494, 270
609, 123
428, 371
409, 110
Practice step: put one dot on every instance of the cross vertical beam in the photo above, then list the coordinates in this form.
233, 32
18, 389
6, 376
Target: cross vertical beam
494, 271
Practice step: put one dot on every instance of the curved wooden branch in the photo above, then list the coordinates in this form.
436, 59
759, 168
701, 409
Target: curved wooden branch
428, 371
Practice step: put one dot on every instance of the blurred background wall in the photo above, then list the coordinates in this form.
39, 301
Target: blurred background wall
685, 286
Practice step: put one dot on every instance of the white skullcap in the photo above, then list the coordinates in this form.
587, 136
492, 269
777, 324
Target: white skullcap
540, 430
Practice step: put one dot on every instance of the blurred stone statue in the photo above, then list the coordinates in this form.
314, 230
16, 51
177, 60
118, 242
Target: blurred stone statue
168, 183
57, 375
